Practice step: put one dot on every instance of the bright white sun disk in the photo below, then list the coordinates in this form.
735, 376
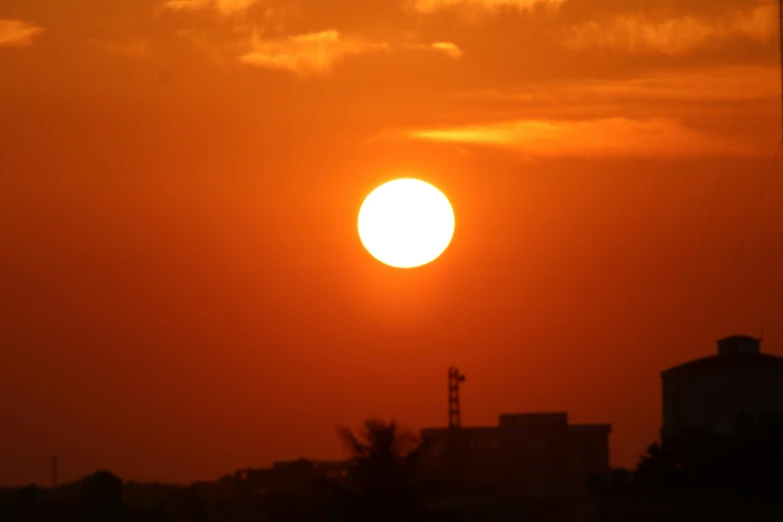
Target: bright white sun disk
406, 223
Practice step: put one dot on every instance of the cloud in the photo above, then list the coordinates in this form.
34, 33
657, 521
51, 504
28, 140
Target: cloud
225, 7
17, 33
722, 86
134, 48
186, 5
725, 84
449, 48
307, 54
674, 35
217, 53
655, 137
431, 6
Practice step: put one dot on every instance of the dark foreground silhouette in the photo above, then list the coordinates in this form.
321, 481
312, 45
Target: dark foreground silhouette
702, 476
382, 481
389, 478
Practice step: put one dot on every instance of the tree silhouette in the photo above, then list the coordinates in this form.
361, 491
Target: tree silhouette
657, 469
751, 460
102, 496
383, 480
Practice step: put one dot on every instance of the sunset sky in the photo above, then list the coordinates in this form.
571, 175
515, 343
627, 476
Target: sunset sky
183, 291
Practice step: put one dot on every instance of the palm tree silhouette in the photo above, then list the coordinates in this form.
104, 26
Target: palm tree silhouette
382, 483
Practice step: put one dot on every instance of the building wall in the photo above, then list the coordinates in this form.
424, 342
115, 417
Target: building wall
712, 398
290, 475
590, 450
537, 452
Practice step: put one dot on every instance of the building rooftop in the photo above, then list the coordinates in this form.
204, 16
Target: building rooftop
526, 421
734, 352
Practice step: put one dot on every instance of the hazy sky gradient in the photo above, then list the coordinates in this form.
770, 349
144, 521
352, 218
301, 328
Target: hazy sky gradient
182, 288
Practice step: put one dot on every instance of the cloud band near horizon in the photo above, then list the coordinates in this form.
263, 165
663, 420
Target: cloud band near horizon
607, 137
18, 33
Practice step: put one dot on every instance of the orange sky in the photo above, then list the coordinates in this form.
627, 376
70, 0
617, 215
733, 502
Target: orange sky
182, 288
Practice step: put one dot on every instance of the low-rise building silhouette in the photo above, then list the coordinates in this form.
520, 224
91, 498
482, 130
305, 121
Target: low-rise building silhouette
711, 393
287, 476
530, 466
535, 451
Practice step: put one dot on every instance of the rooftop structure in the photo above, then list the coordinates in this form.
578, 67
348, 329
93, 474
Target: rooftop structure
710, 393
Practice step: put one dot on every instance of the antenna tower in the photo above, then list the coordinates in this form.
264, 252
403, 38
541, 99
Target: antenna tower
454, 379
54, 471
780, 40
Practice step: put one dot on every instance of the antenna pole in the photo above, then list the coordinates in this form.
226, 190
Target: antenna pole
54, 471
780, 40
454, 413
453, 441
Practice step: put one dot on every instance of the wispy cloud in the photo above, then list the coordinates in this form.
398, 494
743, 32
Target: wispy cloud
723, 86
133, 48
225, 7
307, 54
217, 53
449, 48
431, 6
591, 138
17, 33
645, 33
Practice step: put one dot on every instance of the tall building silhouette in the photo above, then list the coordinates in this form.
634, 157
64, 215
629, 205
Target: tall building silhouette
712, 392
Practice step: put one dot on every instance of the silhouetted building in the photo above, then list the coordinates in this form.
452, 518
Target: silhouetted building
537, 452
712, 392
288, 476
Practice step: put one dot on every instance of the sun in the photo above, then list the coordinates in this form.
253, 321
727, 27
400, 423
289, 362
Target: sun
406, 223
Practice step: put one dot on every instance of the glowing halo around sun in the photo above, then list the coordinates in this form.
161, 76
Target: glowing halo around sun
406, 223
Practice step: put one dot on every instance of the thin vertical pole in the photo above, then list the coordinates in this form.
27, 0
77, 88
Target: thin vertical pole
54, 471
780, 41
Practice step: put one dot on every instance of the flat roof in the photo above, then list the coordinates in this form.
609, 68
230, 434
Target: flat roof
727, 362
531, 416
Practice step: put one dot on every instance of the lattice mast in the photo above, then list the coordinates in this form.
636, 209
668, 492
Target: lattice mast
780, 41
455, 378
